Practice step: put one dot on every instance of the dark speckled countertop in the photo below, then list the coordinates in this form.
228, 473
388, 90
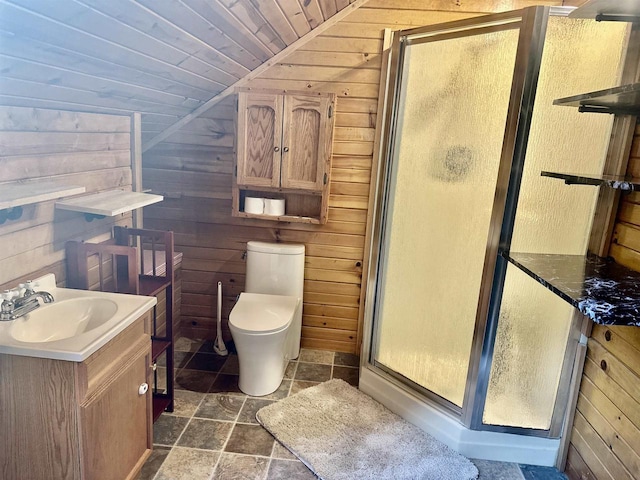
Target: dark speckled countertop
601, 289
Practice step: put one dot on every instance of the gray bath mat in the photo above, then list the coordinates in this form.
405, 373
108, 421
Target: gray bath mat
342, 434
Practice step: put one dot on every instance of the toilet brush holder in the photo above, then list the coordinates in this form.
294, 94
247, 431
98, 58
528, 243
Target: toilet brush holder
218, 346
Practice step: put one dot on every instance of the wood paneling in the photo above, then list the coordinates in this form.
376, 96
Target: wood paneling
345, 59
162, 58
73, 148
605, 440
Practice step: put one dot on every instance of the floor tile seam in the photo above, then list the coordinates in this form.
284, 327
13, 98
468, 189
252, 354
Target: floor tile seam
293, 376
226, 442
245, 454
164, 445
184, 429
244, 402
213, 419
204, 450
207, 371
266, 470
315, 363
199, 405
229, 394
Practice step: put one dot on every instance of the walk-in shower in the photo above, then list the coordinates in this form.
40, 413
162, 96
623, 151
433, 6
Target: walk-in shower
459, 341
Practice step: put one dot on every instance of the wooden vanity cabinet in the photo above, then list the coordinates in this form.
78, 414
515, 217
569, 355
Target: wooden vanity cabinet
86, 420
283, 150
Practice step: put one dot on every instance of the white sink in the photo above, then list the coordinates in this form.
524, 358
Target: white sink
63, 319
74, 326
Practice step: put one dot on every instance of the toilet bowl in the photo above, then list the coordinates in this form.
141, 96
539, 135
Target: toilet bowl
261, 327
266, 321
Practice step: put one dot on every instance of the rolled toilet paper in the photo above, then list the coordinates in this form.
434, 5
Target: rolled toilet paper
254, 205
274, 206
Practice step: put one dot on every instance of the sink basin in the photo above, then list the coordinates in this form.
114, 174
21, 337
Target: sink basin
63, 319
74, 326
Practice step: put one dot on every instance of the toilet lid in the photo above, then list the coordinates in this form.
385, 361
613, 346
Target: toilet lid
260, 313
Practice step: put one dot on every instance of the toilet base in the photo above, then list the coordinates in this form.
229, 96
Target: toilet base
262, 362
258, 382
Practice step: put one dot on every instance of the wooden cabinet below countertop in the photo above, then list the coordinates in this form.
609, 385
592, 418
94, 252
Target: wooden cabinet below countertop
71, 421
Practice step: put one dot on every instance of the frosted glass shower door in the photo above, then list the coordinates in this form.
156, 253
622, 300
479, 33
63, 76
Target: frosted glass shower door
451, 112
534, 324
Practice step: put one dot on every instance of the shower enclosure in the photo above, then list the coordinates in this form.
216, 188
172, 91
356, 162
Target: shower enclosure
469, 125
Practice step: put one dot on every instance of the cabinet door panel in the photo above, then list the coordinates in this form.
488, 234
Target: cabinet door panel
259, 139
307, 138
116, 422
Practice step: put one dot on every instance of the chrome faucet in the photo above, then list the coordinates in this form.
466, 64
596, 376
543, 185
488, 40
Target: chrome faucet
18, 302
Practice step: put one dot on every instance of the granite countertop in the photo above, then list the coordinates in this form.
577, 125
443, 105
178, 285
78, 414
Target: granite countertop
625, 183
604, 291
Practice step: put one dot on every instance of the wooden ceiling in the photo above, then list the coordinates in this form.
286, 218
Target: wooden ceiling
163, 58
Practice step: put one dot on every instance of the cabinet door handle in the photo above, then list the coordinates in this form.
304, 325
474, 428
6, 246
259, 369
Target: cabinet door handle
143, 388
276, 149
285, 149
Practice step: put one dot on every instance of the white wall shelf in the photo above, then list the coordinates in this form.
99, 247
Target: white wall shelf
108, 204
14, 196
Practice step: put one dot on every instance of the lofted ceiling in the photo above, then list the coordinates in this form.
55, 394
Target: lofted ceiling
163, 58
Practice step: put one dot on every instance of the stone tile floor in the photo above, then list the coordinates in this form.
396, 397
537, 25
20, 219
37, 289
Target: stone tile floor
212, 432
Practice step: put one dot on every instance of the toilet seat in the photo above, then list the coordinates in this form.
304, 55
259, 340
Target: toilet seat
259, 314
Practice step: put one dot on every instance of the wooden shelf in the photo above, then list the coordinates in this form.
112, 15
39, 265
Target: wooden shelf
16, 195
150, 285
604, 291
109, 204
628, 184
618, 10
279, 218
281, 190
623, 100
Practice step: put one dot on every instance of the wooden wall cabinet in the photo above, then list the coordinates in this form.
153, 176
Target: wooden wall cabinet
283, 150
71, 421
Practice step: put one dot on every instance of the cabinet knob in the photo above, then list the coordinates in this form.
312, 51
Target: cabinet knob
276, 149
285, 149
143, 388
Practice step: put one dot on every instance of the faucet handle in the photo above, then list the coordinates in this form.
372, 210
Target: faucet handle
9, 295
30, 287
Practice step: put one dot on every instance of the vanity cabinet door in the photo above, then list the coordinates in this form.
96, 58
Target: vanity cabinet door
259, 139
116, 423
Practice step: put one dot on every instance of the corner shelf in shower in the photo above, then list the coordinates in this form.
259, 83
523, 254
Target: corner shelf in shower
623, 100
608, 10
624, 183
604, 291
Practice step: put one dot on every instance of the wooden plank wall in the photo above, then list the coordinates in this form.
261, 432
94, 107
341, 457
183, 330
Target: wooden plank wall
193, 169
605, 441
90, 150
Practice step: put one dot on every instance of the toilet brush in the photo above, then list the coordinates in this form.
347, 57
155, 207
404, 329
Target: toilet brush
218, 346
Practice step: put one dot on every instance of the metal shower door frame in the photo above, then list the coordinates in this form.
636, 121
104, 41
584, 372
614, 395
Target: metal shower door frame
531, 23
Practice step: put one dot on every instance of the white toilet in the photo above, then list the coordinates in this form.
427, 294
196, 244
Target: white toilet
266, 322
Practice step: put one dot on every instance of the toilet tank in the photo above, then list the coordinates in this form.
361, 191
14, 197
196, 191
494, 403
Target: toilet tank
275, 268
